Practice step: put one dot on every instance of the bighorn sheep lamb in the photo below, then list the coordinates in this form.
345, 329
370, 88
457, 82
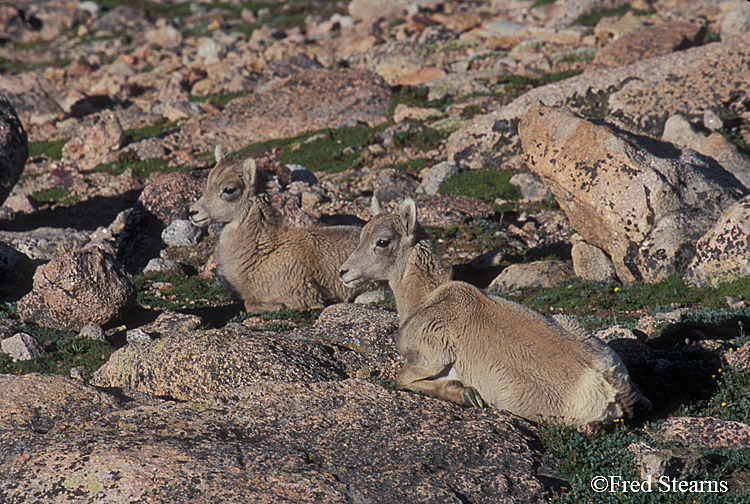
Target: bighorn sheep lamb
270, 264
461, 344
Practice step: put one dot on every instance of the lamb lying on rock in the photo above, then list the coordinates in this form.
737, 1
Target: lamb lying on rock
271, 265
461, 344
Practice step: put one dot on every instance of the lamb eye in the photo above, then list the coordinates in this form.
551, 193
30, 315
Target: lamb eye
382, 243
229, 191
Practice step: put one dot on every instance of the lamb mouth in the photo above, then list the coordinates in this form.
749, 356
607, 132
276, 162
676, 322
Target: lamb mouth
352, 282
199, 222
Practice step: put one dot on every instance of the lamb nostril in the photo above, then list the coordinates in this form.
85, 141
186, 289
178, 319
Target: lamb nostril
343, 272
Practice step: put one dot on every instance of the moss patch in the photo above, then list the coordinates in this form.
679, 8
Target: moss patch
55, 195
52, 150
330, 150
486, 185
173, 291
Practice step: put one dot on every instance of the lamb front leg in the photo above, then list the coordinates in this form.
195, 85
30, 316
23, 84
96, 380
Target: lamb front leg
252, 306
436, 384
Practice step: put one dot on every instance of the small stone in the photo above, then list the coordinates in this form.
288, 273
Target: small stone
137, 335
590, 263
302, 174
211, 51
371, 297
22, 203
531, 186
537, 274
363, 373
160, 264
79, 373
437, 176
712, 121
22, 346
181, 233
93, 331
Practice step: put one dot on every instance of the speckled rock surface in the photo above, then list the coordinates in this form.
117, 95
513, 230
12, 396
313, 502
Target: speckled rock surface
77, 288
642, 95
537, 274
643, 202
649, 42
14, 148
272, 442
165, 198
723, 253
306, 101
199, 365
707, 431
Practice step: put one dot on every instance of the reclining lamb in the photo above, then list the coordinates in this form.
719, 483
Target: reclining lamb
475, 349
270, 265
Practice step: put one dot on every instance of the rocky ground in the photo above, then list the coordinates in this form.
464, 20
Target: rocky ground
587, 157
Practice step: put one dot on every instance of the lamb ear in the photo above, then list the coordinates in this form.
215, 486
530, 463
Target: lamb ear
375, 206
250, 174
408, 213
219, 153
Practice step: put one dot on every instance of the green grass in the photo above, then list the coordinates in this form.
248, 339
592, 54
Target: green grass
427, 139
180, 292
218, 99
61, 358
559, 76
592, 18
416, 97
152, 10
583, 459
412, 165
141, 169
52, 150
587, 297
732, 129
331, 150
731, 401
152, 130
64, 350
55, 195
579, 55
296, 318
486, 185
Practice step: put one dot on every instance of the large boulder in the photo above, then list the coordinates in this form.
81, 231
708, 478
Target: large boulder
97, 141
14, 148
642, 95
388, 9
16, 270
165, 198
272, 442
199, 365
309, 100
680, 131
77, 288
644, 202
723, 253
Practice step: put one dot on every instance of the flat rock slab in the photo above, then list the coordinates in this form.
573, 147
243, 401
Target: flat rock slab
200, 365
705, 432
332, 442
307, 101
642, 95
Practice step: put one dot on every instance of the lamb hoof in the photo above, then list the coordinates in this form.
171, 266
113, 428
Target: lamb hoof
472, 398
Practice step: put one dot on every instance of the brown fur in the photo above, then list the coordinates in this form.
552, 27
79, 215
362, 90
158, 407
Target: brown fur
271, 265
464, 345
